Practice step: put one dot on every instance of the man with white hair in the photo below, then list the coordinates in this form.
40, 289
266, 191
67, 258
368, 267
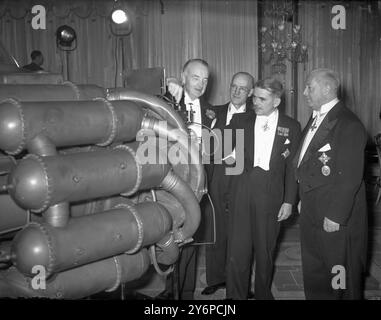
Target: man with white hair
333, 217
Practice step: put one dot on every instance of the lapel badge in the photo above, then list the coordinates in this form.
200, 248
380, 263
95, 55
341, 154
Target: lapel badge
325, 170
283, 131
286, 153
210, 114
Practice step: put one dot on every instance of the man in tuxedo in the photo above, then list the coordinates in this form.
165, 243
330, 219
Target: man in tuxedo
220, 187
265, 192
189, 96
333, 216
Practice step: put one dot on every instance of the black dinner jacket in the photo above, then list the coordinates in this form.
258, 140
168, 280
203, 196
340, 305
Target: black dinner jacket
336, 193
221, 112
282, 184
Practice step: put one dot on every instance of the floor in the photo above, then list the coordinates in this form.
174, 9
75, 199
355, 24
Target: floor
288, 282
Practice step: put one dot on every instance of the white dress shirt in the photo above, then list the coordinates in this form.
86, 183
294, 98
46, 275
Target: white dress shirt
194, 105
318, 119
233, 110
264, 134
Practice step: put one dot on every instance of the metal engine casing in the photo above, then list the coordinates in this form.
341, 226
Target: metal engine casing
79, 200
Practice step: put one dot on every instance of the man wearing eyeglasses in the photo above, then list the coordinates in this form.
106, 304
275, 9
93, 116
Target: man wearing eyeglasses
241, 88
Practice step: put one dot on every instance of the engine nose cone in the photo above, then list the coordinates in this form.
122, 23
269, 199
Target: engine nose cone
28, 185
31, 251
11, 127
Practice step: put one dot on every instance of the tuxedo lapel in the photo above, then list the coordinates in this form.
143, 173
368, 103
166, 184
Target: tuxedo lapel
206, 121
322, 132
304, 133
278, 141
221, 116
224, 115
182, 103
250, 139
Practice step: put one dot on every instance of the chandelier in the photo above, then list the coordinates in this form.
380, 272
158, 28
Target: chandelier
280, 36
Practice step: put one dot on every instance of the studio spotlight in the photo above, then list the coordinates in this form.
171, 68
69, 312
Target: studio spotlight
65, 37
119, 16
120, 22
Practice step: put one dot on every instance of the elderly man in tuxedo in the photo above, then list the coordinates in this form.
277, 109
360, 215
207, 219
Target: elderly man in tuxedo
190, 100
220, 187
333, 216
265, 193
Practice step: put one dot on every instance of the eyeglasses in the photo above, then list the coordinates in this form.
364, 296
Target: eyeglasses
240, 90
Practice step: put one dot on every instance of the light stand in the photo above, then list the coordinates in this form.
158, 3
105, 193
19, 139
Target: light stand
66, 40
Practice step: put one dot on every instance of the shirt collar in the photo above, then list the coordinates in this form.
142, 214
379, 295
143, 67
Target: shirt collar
188, 100
233, 109
271, 117
325, 108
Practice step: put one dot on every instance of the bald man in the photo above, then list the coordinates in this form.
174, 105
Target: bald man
333, 217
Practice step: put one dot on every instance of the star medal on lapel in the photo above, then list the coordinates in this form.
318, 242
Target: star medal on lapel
266, 127
325, 170
210, 114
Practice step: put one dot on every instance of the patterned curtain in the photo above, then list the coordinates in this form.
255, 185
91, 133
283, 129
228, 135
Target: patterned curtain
354, 53
224, 33
165, 34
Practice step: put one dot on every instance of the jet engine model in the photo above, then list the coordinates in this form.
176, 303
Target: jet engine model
95, 186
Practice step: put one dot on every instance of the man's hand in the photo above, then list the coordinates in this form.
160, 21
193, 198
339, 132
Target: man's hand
175, 88
285, 211
229, 160
330, 226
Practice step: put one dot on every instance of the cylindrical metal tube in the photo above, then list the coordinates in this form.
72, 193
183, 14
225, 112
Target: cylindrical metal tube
89, 238
42, 146
39, 182
169, 250
78, 282
12, 217
150, 102
197, 176
37, 92
7, 163
50, 92
67, 123
58, 214
183, 193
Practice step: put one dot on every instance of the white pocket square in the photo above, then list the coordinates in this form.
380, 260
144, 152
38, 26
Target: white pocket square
287, 141
325, 148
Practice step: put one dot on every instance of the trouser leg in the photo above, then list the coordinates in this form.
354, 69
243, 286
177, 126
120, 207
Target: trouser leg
316, 275
215, 258
188, 272
266, 230
239, 249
